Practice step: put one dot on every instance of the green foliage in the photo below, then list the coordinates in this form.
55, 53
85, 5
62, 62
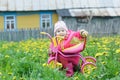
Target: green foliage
24, 60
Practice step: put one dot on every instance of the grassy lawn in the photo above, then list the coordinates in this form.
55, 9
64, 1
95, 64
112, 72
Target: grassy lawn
24, 60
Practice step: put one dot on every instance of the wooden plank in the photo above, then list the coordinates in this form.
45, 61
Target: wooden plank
52, 5
27, 5
84, 3
3, 5
60, 4
76, 3
11, 5
92, 3
117, 11
36, 4
44, 5
68, 3
19, 5
116, 3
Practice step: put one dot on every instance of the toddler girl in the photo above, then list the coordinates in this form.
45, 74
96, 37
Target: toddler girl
68, 63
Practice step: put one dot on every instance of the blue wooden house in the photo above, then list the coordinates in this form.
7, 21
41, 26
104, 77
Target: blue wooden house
96, 16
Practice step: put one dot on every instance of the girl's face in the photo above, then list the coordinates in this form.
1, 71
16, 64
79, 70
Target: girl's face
61, 32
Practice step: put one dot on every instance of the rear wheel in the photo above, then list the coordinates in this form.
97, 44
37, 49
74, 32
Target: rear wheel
90, 59
88, 67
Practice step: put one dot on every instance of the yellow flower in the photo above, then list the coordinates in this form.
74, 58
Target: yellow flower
76, 78
106, 48
4, 77
98, 54
118, 50
103, 62
58, 64
33, 56
14, 77
5, 46
53, 64
10, 73
7, 56
21, 78
0, 73
105, 53
44, 64
116, 73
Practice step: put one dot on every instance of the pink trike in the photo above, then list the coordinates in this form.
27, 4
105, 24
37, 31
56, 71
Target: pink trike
87, 64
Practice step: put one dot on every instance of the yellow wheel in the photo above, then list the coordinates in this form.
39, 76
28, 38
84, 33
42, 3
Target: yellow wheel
90, 59
88, 67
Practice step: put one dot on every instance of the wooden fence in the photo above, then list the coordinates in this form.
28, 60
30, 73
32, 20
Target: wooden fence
33, 33
23, 34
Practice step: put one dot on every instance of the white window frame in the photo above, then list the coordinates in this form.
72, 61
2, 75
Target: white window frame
46, 20
9, 22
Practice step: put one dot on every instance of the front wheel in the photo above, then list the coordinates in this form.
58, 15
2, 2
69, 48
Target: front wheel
88, 67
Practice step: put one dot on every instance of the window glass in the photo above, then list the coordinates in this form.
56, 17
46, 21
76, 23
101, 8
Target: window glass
9, 22
10, 17
46, 20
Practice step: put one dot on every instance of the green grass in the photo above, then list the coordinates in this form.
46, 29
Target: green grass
24, 60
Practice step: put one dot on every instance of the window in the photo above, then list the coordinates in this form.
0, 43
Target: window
45, 21
9, 22
83, 19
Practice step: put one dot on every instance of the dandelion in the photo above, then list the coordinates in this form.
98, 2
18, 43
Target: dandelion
105, 53
5, 46
7, 56
107, 48
116, 73
33, 56
0, 73
59, 65
44, 64
94, 76
118, 50
98, 54
21, 78
76, 78
104, 46
103, 62
17, 50
4, 77
14, 77
10, 73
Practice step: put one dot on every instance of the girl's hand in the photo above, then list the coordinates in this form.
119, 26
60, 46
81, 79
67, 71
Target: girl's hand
83, 33
49, 51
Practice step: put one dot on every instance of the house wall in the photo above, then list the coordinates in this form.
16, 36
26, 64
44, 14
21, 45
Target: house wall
97, 25
54, 18
1, 23
28, 21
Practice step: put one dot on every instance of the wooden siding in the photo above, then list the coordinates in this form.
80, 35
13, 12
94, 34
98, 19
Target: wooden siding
1, 23
94, 12
97, 26
28, 21
33, 5
54, 18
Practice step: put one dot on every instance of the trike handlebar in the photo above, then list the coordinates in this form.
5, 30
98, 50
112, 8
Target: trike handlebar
78, 47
